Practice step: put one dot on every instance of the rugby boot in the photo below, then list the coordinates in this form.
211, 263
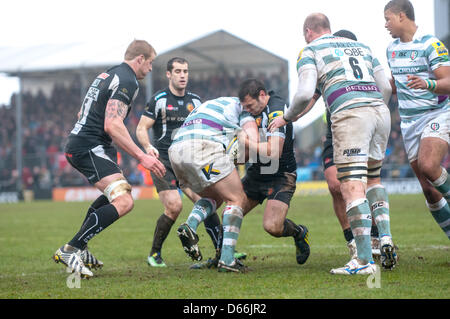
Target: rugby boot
72, 260
302, 245
189, 240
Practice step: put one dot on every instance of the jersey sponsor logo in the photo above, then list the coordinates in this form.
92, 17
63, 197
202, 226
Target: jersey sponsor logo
96, 82
103, 76
190, 107
353, 152
440, 48
274, 115
170, 107
124, 93
92, 93
258, 121
300, 55
208, 170
408, 70
435, 126
338, 52
349, 52
393, 54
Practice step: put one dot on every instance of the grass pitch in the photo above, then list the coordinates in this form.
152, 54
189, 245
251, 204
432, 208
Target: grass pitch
31, 232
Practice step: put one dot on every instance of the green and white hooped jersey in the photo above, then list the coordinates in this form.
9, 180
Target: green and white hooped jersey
215, 120
345, 71
419, 57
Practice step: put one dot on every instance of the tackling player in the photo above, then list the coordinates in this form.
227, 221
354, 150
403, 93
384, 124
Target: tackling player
165, 113
420, 69
199, 160
345, 74
273, 175
89, 150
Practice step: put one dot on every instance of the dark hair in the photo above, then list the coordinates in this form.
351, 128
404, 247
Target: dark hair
398, 6
177, 60
345, 34
250, 87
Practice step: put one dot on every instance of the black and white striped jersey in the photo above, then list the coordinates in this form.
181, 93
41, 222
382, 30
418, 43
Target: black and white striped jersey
119, 83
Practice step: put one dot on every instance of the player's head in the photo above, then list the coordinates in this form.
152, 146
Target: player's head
140, 55
315, 25
397, 14
178, 74
345, 34
253, 96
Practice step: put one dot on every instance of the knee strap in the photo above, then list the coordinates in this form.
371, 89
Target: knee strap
352, 171
117, 188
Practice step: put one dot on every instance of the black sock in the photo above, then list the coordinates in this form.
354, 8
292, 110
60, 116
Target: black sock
213, 228
162, 229
374, 231
348, 234
290, 229
102, 200
95, 223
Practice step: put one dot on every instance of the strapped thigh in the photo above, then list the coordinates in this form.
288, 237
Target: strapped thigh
117, 188
352, 171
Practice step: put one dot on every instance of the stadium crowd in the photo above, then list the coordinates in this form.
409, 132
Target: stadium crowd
46, 122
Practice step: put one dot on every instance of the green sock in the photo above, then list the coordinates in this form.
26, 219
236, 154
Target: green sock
441, 214
379, 205
232, 221
203, 208
442, 184
360, 218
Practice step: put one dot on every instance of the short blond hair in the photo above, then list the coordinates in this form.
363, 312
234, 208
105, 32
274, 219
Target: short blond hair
317, 22
138, 47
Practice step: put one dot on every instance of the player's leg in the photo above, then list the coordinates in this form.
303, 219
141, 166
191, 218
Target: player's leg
379, 205
334, 187
212, 223
170, 198
427, 143
277, 225
231, 191
352, 134
436, 203
98, 165
433, 147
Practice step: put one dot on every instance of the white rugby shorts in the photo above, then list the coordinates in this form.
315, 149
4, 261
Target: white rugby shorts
199, 163
360, 134
432, 124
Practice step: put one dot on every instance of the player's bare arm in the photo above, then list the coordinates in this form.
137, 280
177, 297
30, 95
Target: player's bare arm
145, 123
439, 86
115, 113
273, 148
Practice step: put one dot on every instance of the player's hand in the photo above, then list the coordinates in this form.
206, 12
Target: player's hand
153, 151
276, 123
415, 82
153, 165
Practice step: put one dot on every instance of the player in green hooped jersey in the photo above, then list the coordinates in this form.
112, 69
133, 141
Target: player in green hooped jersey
356, 91
420, 69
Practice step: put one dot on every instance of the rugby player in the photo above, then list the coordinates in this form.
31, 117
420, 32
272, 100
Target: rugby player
273, 176
356, 93
89, 150
165, 113
199, 160
420, 69
330, 174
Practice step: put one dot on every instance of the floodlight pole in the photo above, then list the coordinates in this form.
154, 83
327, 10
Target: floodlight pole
19, 158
